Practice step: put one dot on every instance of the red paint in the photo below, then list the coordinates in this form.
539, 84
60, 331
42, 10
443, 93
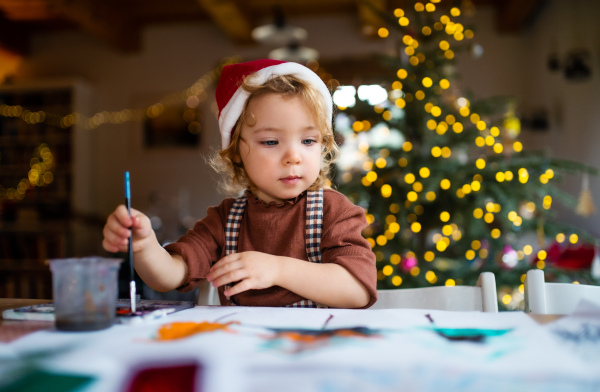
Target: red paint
178, 378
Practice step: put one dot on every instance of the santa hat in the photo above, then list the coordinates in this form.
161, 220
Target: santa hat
231, 97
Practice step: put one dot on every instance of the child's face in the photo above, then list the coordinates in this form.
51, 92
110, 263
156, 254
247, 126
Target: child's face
281, 149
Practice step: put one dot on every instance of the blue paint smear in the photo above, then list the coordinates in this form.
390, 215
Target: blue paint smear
476, 335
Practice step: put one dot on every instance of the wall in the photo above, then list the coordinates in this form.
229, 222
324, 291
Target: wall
175, 56
573, 106
517, 65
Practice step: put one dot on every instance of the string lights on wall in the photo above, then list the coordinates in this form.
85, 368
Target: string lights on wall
191, 96
42, 163
40, 174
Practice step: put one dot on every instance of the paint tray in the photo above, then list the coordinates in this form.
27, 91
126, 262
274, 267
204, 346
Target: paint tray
147, 309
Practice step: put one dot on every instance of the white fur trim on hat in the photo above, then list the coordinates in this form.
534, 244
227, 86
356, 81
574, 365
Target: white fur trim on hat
233, 110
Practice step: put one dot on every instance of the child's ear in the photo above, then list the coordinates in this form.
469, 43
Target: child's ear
237, 159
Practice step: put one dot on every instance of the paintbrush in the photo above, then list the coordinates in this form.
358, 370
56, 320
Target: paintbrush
132, 289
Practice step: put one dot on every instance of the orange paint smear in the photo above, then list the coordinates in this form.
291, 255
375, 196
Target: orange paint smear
306, 338
180, 330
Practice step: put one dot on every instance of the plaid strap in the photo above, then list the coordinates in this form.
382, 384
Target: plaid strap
314, 225
313, 228
232, 230
312, 234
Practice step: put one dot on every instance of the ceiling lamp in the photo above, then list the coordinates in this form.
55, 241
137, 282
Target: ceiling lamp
294, 52
281, 34
278, 33
272, 34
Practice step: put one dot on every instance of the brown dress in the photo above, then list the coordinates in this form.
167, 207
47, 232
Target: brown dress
278, 229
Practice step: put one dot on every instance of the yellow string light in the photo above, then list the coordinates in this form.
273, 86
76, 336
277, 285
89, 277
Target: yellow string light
40, 174
191, 96
431, 277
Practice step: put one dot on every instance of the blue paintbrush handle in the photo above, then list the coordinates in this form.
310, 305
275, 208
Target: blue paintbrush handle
132, 289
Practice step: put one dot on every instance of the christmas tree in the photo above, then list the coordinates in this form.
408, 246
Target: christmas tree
448, 187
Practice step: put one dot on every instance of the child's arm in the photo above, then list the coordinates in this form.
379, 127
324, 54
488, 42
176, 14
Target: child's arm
157, 268
327, 284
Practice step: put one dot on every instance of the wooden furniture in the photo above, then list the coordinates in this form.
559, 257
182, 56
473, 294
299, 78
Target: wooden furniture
481, 297
42, 180
13, 329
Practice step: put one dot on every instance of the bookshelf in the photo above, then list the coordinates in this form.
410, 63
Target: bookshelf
39, 224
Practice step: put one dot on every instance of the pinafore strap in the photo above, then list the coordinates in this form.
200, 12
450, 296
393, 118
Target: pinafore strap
313, 229
232, 227
313, 226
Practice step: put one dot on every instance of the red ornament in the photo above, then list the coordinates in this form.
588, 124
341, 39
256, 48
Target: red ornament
570, 257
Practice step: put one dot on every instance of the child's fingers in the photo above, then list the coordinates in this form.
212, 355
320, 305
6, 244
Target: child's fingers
141, 225
114, 225
137, 218
122, 216
240, 287
226, 265
117, 237
221, 277
136, 221
118, 225
113, 246
115, 230
114, 238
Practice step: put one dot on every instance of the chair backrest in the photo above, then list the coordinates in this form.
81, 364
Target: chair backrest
555, 298
482, 297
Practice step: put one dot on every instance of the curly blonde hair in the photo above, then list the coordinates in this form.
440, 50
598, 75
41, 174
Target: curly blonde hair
235, 179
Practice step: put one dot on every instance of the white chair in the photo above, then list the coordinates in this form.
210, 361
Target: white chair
207, 294
482, 297
555, 298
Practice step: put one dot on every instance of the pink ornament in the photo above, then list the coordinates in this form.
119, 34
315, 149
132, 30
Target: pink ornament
508, 257
408, 263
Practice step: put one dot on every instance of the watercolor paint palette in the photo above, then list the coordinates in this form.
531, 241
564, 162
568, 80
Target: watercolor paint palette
145, 309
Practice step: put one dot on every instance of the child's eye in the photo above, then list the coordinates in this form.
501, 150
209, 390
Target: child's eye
269, 142
308, 142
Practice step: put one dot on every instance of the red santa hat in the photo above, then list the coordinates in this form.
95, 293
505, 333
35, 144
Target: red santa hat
231, 97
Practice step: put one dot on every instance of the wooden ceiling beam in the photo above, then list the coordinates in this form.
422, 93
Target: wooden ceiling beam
230, 18
13, 37
102, 20
513, 16
26, 10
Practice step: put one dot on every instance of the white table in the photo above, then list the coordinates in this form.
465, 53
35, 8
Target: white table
282, 349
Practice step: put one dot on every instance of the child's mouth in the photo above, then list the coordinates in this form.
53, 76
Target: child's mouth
290, 180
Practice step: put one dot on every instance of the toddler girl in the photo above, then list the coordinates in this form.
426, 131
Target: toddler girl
288, 240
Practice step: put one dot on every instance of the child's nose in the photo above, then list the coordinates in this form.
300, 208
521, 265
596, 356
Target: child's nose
292, 156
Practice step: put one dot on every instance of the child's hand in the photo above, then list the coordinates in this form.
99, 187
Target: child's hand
252, 270
116, 230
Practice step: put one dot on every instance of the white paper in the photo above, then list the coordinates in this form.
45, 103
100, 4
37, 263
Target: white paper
275, 349
579, 332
